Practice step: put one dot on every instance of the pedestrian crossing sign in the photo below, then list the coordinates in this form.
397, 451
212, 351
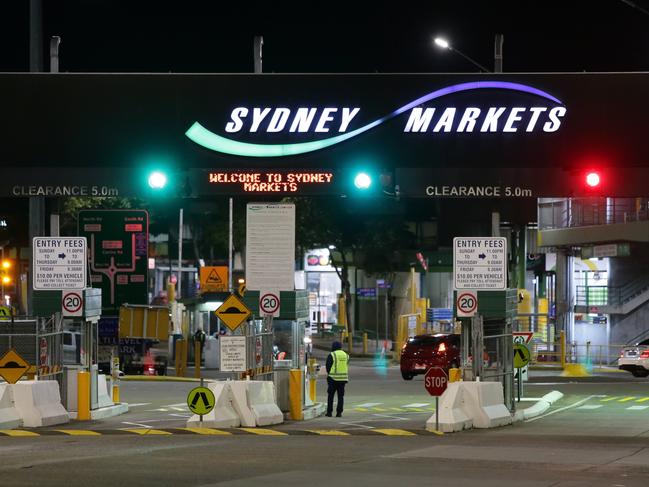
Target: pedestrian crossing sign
200, 400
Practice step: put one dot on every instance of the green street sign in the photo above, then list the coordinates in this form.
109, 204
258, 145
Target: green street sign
118, 242
201, 400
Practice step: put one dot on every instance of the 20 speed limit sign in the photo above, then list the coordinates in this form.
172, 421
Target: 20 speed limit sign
72, 303
466, 303
269, 303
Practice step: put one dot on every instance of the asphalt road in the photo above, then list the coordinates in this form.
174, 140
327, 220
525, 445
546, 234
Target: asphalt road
597, 434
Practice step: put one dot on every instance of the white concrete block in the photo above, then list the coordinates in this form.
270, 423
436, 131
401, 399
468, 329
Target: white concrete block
451, 414
9, 417
223, 415
261, 401
484, 404
239, 390
39, 403
103, 395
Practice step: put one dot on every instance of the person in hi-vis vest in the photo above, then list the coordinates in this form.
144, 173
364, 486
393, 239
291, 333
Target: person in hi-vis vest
337, 377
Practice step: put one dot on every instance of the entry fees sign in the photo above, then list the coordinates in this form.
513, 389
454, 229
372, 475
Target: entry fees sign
480, 263
59, 263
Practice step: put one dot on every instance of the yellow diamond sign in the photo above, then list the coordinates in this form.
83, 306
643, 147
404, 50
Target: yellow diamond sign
12, 366
233, 312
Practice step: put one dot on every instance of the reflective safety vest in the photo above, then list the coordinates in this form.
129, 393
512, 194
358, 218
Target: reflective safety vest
339, 368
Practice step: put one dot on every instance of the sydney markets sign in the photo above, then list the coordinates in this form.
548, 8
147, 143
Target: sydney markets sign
545, 115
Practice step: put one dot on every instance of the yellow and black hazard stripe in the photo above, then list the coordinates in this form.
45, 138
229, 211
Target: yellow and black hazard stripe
25, 433
49, 369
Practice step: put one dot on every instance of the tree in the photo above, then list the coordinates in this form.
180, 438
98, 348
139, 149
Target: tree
367, 233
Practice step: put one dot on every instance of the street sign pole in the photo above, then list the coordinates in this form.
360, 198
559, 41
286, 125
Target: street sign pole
436, 413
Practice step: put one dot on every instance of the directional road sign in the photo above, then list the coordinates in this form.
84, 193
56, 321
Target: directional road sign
435, 381
201, 400
233, 312
480, 263
466, 303
522, 355
59, 263
12, 366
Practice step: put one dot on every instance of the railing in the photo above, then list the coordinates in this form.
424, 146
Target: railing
611, 295
578, 212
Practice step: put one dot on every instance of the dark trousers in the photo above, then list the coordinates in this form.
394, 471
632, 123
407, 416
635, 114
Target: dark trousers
335, 387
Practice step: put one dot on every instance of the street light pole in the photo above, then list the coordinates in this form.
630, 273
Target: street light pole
498, 53
444, 44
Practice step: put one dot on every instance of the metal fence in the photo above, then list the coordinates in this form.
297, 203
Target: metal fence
578, 212
39, 341
259, 349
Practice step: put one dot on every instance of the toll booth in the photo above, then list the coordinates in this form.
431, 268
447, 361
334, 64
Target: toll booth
76, 349
489, 335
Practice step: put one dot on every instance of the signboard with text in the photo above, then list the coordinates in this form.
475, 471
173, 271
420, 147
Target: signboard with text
117, 255
59, 263
232, 353
480, 263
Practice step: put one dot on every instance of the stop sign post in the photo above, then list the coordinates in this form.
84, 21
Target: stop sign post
435, 382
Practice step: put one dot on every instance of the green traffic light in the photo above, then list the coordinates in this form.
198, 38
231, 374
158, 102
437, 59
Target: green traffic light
157, 180
362, 181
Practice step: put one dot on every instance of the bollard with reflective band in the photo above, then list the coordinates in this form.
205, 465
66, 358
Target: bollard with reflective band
312, 379
454, 375
83, 396
197, 360
115, 393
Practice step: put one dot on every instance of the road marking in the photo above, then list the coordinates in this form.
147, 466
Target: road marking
146, 431
394, 432
590, 406
610, 399
578, 403
18, 433
179, 409
162, 410
136, 424
79, 432
180, 415
263, 431
368, 404
329, 432
361, 409
416, 405
176, 405
644, 399
206, 431
381, 410
627, 399
138, 404
637, 408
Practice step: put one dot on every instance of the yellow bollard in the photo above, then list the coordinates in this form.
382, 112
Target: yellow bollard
454, 375
178, 359
295, 394
83, 396
365, 343
197, 360
115, 393
312, 379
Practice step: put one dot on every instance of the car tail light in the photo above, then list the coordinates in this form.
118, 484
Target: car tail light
644, 354
442, 347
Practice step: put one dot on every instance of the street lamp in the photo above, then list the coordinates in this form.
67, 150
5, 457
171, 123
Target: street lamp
444, 44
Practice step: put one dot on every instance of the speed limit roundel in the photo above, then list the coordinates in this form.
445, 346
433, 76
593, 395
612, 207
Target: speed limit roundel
269, 303
466, 303
72, 303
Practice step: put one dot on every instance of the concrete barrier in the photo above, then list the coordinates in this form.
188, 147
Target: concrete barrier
484, 404
451, 414
261, 401
223, 415
9, 417
103, 395
239, 390
39, 403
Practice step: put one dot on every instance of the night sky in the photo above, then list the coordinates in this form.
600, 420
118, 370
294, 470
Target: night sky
216, 36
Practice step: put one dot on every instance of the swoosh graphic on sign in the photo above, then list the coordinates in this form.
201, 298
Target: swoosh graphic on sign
210, 140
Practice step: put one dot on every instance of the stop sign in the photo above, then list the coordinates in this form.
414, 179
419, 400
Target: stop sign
435, 381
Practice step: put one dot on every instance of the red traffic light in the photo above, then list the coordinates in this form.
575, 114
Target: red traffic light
593, 179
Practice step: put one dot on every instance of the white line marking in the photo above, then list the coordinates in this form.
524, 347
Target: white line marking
180, 415
637, 408
176, 405
164, 410
137, 424
179, 409
590, 406
416, 405
578, 403
368, 405
134, 405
